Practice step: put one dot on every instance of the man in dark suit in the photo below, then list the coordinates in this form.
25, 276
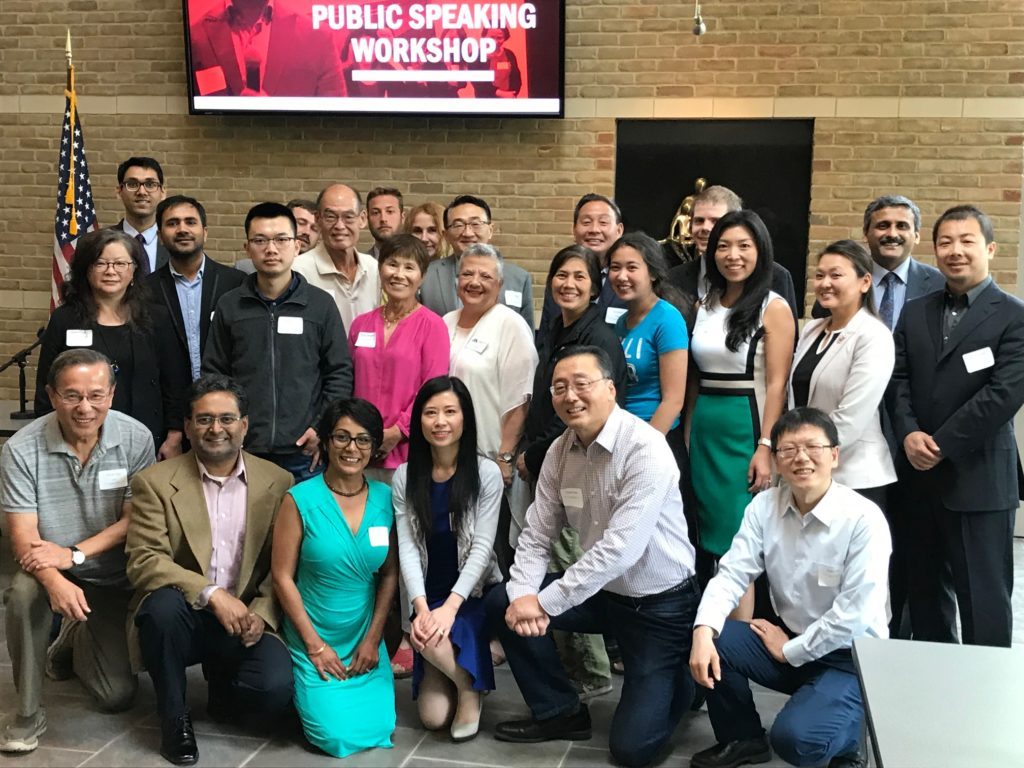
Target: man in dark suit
191, 283
708, 207
140, 187
957, 384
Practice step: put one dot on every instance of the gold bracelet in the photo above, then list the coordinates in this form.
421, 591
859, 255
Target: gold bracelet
318, 651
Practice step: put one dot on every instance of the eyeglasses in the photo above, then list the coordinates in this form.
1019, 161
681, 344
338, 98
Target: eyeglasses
225, 420
476, 225
259, 243
74, 398
132, 185
579, 386
101, 265
341, 439
813, 451
330, 218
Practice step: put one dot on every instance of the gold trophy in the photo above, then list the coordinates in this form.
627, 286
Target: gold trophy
679, 239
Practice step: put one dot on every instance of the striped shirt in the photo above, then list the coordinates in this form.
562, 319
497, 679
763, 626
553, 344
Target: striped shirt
621, 495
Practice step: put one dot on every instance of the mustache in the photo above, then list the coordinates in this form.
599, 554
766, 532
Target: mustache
891, 241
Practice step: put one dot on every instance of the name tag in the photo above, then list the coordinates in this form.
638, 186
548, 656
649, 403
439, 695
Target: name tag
290, 325
477, 345
378, 536
978, 360
366, 339
75, 337
113, 478
214, 312
612, 314
514, 299
829, 576
572, 497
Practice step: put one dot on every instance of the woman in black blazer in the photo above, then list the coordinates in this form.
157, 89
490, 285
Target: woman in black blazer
106, 308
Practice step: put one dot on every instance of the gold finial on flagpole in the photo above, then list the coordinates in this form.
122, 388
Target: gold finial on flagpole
67, 48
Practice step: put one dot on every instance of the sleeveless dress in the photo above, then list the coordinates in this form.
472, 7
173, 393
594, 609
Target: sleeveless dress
726, 423
336, 577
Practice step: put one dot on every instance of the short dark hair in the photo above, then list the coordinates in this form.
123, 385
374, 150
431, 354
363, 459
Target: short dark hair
962, 213
140, 162
216, 382
362, 412
584, 254
406, 247
792, 420
303, 203
860, 260
604, 361
270, 211
77, 356
173, 200
384, 192
78, 294
892, 201
593, 197
467, 200
657, 267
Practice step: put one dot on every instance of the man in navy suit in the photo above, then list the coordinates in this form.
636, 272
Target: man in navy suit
191, 283
957, 384
140, 188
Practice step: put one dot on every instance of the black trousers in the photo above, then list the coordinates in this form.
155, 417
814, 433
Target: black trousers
254, 685
968, 555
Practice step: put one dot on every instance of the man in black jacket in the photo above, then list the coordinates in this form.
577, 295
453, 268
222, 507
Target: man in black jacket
191, 283
283, 341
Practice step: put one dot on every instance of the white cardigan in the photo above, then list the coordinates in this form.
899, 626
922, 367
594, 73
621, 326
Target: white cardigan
848, 384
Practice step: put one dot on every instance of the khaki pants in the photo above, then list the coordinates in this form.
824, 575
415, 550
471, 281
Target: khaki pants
100, 646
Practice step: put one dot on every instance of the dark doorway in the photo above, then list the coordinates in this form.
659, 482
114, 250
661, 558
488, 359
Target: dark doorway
766, 162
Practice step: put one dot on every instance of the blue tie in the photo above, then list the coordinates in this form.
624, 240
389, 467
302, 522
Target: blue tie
145, 256
887, 309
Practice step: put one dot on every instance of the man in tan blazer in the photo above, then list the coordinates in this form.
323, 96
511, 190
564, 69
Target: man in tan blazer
199, 558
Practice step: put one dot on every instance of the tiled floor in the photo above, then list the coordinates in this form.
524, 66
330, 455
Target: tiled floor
78, 735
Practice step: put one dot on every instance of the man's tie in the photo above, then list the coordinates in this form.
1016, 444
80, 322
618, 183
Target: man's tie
887, 309
145, 256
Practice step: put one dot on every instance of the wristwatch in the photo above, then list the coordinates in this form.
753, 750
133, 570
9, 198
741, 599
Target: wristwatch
77, 556
765, 442
506, 458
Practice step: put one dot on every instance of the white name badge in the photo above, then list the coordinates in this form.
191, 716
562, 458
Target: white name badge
76, 337
290, 325
113, 478
514, 299
477, 345
612, 314
378, 536
978, 360
214, 312
572, 497
366, 339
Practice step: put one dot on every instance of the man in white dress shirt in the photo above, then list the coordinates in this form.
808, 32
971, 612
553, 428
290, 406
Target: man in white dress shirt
825, 549
613, 478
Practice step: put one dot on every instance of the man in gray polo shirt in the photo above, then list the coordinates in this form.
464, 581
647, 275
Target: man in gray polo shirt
64, 489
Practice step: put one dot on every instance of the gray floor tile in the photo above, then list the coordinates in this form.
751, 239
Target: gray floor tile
288, 753
485, 750
140, 747
46, 757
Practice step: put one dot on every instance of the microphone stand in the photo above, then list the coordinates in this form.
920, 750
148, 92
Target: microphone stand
21, 358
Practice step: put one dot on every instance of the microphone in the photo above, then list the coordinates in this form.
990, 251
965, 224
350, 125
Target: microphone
252, 71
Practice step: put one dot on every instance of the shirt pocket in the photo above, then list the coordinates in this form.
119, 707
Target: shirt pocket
829, 575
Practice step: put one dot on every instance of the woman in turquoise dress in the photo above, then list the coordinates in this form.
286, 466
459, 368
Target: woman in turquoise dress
335, 570
742, 349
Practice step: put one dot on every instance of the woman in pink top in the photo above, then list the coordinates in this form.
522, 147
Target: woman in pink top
396, 348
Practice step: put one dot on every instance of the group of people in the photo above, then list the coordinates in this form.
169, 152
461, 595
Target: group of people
666, 476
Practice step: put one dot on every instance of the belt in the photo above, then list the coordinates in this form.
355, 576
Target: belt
690, 583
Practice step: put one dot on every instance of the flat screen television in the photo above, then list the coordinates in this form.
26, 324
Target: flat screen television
456, 57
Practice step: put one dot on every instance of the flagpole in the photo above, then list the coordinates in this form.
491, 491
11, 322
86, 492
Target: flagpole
69, 196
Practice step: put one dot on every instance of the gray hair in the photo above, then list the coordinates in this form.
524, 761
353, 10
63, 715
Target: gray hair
892, 201
485, 251
69, 358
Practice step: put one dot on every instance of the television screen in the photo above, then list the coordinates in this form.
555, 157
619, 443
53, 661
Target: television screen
457, 57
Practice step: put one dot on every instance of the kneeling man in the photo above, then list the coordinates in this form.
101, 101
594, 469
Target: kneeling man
613, 478
199, 557
826, 551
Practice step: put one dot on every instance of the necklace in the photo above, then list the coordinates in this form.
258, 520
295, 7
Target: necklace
392, 320
342, 493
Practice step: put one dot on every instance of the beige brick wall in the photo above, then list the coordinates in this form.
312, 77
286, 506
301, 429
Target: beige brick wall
924, 97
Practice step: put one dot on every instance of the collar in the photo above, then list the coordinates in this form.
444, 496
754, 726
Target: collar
110, 436
292, 286
971, 296
238, 471
902, 272
325, 265
176, 273
148, 235
609, 432
824, 511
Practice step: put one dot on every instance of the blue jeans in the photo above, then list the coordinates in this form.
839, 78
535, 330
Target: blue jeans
822, 718
296, 463
654, 635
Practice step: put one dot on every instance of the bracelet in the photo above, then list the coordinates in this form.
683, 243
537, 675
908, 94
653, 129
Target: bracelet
318, 651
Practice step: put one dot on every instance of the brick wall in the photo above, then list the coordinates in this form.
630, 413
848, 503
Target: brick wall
924, 97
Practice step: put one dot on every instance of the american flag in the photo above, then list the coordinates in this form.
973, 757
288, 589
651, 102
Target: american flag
76, 214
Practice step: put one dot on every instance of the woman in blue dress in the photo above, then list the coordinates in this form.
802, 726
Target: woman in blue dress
447, 500
335, 570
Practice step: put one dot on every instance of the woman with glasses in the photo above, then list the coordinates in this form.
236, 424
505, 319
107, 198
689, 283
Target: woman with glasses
742, 349
426, 223
842, 366
335, 571
447, 500
107, 309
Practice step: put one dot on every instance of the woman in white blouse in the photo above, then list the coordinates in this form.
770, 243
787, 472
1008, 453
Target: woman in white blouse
843, 364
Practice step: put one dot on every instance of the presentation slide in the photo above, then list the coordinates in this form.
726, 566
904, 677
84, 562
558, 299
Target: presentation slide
454, 57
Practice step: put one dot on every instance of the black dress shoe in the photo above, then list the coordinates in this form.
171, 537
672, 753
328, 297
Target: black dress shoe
856, 760
575, 727
178, 741
733, 754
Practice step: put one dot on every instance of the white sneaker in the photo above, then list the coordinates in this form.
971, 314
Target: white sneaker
21, 734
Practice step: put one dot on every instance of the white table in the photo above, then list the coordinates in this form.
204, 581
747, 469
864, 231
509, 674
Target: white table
933, 705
